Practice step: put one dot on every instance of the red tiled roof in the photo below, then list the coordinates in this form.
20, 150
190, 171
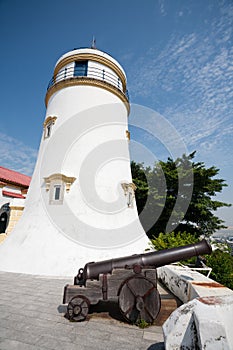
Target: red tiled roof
14, 177
12, 194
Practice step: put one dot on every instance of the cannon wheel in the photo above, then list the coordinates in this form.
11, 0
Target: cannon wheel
78, 308
139, 299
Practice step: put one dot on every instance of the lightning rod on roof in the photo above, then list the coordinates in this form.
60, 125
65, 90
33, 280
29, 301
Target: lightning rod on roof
93, 44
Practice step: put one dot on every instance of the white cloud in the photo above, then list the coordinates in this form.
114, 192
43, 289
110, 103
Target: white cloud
190, 83
16, 155
162, 7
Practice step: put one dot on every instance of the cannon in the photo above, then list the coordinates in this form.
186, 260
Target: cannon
132, 280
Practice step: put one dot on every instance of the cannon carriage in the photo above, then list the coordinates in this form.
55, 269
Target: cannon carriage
131, 280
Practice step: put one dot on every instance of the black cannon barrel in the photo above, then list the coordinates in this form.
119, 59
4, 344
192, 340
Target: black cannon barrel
158, 258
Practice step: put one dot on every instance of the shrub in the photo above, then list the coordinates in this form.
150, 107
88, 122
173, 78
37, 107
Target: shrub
222, 267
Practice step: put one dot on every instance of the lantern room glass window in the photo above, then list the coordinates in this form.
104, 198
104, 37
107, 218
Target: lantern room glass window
80, 69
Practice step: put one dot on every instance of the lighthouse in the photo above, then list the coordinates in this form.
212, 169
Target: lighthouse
81, 202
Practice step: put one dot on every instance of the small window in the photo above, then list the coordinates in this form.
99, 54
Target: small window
48, 125
48, 130
80, 69
57, 192
129, 192
57, 185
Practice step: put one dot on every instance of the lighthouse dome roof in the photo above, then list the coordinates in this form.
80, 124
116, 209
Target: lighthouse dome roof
91, 51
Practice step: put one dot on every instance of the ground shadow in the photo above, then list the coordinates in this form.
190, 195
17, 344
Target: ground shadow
104, 309
157, 346
107, 309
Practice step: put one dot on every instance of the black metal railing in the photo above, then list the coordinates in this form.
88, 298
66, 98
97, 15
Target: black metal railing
92, 73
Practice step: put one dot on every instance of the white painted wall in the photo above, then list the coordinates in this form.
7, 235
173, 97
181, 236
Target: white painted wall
5, 199
65, 72
96, 68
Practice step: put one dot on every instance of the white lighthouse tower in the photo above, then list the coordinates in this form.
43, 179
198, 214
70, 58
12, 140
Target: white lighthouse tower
80, 205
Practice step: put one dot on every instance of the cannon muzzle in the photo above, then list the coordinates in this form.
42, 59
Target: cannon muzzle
156, 259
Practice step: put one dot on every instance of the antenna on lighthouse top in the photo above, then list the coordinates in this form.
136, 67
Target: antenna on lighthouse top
93, 44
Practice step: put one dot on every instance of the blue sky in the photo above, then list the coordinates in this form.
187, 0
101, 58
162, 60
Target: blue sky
177, 54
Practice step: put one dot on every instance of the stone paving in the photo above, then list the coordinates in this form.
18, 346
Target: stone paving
32, 318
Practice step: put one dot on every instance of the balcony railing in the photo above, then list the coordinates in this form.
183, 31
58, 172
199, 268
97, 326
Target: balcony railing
90, 72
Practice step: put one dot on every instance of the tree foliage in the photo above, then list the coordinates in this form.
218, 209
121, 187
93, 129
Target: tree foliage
171, 240
177, 196
222, 267
174, 239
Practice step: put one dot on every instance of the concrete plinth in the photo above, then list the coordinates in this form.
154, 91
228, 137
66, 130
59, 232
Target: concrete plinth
203, 323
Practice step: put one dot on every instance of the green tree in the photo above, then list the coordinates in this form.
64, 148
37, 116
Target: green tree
177, 196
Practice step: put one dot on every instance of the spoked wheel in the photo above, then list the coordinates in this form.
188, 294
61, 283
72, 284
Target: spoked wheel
78, 308
139, 299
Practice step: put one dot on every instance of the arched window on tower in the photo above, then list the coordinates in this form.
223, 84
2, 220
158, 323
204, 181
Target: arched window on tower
48, 124
57, 185
129, 192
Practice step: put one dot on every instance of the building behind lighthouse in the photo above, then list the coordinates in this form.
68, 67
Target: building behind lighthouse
81, 201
